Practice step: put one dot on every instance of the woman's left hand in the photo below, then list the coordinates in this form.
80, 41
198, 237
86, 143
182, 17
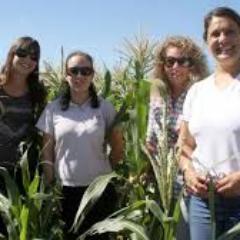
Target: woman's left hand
229, 185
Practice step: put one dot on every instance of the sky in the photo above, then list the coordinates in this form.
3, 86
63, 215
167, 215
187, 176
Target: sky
99, 27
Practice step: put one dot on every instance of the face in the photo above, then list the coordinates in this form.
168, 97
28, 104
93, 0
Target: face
79, 74
223, 39
25, 61
176, 67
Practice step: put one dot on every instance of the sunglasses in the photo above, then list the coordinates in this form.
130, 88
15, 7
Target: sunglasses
183, 61
23, 52
84, 71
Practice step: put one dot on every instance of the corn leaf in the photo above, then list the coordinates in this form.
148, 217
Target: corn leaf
156, 211
24, 217
25, 170
33, 187
116, 225
12, 189
231, 233
107, 84
91, 195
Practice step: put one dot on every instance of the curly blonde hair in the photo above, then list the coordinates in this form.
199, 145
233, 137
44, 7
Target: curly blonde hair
198, 70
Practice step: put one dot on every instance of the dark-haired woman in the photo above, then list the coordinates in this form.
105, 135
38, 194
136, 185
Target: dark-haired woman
75, 126
21, 98
210, 133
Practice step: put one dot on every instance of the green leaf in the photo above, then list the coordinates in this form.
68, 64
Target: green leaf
156, 210
33, 187
231, 233
127, 211
116, 225
11, 187
177, 208
24, 217
91, 195
107, 84
25, 170
5, 211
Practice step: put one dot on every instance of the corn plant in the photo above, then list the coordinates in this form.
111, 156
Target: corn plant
144, 214
142, 217
29, 212
165, 168
118, 221
138, 56
52, 77
212, 176
232, 233
128, 88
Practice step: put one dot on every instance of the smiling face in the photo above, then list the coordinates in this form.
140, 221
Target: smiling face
24, 61
79, 74
176, 67
223, 39
23, 57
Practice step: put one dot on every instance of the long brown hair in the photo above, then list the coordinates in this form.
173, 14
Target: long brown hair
36, 88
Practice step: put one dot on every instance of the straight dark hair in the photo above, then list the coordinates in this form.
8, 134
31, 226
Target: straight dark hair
220, 12
66, 96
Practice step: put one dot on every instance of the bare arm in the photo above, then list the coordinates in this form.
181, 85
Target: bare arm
48, 158
195, 183
117, 145
186, 144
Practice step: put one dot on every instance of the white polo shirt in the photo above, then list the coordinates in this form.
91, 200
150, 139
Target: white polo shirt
79, 140
213, 116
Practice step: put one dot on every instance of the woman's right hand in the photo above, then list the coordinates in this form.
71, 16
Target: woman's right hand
195, 183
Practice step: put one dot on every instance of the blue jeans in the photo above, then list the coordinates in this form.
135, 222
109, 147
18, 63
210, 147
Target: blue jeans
227, 214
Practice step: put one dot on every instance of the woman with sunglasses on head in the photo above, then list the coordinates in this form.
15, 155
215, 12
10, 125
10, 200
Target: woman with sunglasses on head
178, 63
74, 128
21, 98
210, 132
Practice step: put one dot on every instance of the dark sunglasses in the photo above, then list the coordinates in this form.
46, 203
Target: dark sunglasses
84, 71
183, 61
22, 53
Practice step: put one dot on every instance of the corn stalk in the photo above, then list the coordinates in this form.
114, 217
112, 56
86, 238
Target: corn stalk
29, 213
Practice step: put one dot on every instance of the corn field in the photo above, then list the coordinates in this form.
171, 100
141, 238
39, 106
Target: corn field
146, 208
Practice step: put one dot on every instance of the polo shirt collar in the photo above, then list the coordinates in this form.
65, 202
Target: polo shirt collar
82, 105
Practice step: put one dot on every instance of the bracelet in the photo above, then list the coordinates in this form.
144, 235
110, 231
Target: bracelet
48, 162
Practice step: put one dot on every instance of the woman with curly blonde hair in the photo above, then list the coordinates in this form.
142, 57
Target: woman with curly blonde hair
179, 62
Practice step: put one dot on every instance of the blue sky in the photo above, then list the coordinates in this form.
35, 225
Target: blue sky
100, 26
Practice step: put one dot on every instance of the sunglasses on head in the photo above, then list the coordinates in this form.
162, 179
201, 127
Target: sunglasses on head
183, 61
23, 52
84, 71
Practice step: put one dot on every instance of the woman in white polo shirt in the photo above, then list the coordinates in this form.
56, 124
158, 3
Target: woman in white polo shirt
210, 133
74, 128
